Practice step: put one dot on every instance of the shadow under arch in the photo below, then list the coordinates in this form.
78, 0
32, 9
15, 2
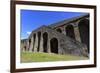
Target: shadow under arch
70, 31
39, 39
54, 45
84, 31
45, 41
34, 39
59, 30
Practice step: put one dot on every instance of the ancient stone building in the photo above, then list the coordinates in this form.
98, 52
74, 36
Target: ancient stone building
69, 36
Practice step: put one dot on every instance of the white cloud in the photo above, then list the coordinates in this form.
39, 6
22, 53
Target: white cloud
28, 32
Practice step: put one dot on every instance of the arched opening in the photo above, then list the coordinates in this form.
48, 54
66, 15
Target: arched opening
39, 39
34, 37
45, 41
84, 31
25, 48
54, 45
59, 30
29, 44
70, 31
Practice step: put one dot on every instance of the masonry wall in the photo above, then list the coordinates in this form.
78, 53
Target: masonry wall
66, 38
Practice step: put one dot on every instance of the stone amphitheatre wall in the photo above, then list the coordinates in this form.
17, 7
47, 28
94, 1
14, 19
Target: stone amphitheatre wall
65, 37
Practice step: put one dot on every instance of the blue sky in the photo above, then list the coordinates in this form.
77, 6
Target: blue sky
32, 19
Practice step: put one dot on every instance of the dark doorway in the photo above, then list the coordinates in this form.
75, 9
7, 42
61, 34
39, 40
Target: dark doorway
59, 30
29, 44
54, 45
39, 39
25, 48
70, 31
84, 32
34, 36
45, 41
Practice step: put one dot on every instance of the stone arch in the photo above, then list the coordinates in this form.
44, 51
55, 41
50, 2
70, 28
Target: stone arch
45, 41
54, 45
25, 48
34, 38
29, 44
59, 30
70, 31
39, 39
84, 31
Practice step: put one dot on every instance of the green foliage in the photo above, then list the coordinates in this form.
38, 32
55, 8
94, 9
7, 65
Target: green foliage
47, 57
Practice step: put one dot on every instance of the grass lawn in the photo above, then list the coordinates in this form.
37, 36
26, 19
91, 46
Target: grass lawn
46, 57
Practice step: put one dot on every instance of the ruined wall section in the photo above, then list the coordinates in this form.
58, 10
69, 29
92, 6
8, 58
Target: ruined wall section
66, 45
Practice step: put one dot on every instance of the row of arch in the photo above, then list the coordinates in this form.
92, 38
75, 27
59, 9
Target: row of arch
69, 31
84, 35
83, 26
53, 43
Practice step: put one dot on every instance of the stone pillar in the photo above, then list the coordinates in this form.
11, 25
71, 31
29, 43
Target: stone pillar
59, 47
41, 44
36, 44
31, 44
63, 30
48, 45
22, 47
27, 45
76, 31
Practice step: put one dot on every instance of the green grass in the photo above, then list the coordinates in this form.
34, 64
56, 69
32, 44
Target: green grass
46, 57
